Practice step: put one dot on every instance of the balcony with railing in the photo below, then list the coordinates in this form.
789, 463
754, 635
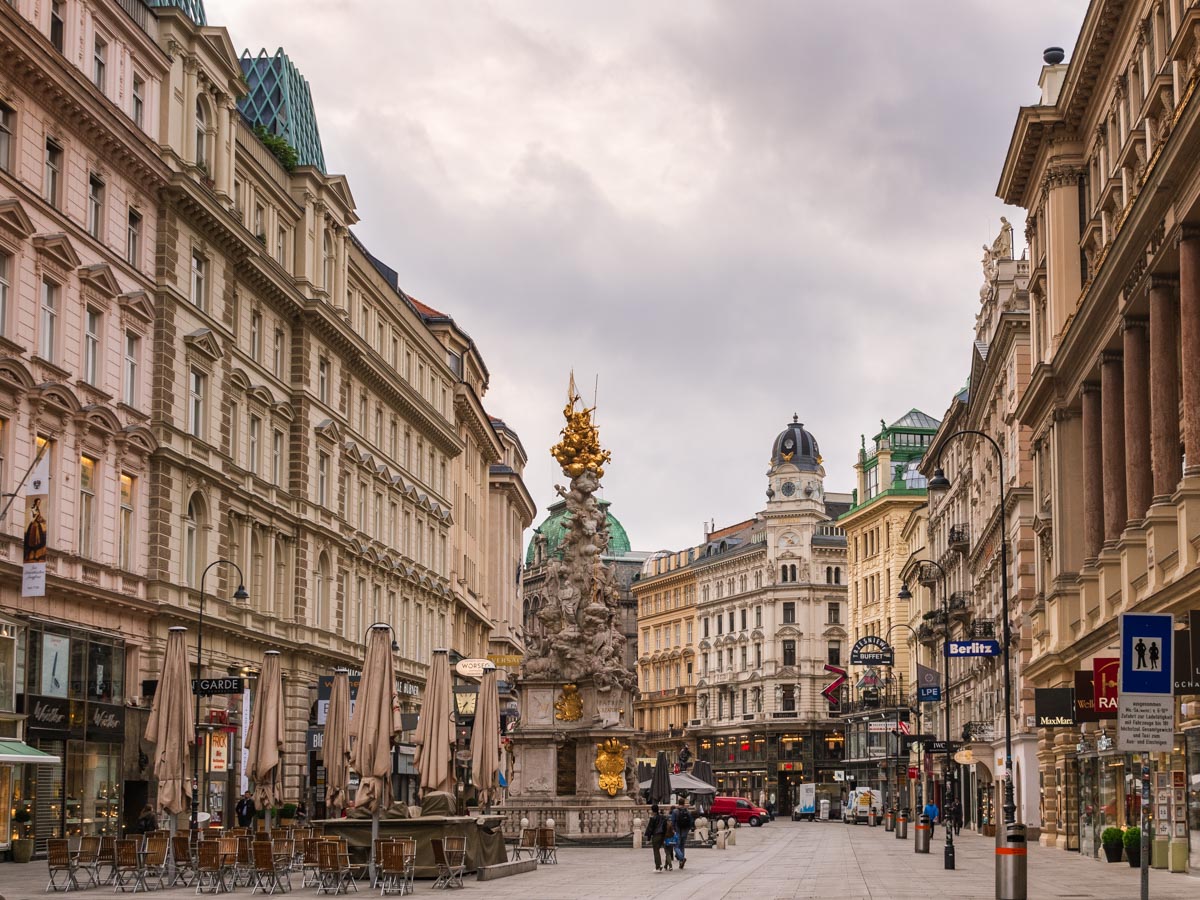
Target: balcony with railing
983, 628
959, 538
960, 605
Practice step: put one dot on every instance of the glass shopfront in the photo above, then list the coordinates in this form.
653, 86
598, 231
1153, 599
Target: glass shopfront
72, 685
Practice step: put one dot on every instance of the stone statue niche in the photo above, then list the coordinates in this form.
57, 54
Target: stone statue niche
576, 692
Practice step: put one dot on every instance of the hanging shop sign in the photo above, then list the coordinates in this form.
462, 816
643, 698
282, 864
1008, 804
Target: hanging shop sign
474, 668
929, 686
1054, 707
218, 751
508, 660
830, 691
1145, 699
211, 687
1085, 697
972, 648
872, 650
37, 501
1187, 656
1104, 685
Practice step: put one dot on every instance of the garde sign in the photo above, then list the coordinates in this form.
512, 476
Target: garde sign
872, 650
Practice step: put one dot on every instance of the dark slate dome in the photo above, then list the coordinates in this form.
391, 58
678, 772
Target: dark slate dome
797, 446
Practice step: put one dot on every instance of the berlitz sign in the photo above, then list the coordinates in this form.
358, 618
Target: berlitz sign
972, 648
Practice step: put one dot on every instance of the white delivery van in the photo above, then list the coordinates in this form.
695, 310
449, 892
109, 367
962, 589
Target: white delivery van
859, 804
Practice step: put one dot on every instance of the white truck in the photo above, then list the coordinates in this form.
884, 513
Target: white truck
806, 803
859, 805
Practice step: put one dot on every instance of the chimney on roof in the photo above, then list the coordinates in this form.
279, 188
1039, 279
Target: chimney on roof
1054, 72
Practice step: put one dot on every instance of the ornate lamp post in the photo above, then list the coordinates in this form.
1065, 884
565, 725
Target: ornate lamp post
239, 595
905, 594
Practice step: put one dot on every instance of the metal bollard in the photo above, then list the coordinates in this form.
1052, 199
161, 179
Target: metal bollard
889, 819
922, 834
902, 825
1011, 864
872, 819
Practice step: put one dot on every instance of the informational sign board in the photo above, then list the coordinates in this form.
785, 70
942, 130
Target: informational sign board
1187, 657
1146, 702
210, 687
1104, 685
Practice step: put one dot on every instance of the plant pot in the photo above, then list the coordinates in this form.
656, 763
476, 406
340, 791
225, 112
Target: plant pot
22, 850
1112, 852
1134, 857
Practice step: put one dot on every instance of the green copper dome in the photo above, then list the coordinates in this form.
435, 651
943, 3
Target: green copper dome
554, 528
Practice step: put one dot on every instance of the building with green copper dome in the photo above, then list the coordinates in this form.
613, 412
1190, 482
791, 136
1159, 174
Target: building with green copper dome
555, 527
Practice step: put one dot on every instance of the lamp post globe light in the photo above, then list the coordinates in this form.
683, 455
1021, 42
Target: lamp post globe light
905, 594
240, 595
939, 482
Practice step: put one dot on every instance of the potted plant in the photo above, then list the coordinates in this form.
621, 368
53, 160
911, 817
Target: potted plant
287, 814
1110, 840
22, 847
1133, 846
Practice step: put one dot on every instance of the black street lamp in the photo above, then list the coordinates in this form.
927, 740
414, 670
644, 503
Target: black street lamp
239, 595
905, 594
939, 482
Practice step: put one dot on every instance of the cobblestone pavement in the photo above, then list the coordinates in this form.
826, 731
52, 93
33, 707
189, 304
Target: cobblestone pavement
830, 861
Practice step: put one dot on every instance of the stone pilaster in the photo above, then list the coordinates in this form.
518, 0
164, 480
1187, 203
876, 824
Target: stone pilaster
1093, 479
1112, 417
1189, 333
1139, 484
1164, 388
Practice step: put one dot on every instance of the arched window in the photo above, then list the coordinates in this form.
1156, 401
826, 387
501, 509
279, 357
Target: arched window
321, 592
258, 569
837, 575
783, 574
792, 573
201, 134
279, 588
829, 574
193, 540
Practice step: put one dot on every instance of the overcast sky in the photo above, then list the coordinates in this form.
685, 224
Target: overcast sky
729, 211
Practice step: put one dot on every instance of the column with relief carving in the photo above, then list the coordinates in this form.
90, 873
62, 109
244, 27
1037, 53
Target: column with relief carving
1093, 478
1139, 485
1112, 413
1189, 333
1164, 387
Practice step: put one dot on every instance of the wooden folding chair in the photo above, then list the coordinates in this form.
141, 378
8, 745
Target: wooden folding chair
87, 860
547, 849
127, 872
61, 865
526, 844
210, 868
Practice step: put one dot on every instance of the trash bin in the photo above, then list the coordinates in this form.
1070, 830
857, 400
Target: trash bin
1011, 863
922, 834
902, 825
889, 819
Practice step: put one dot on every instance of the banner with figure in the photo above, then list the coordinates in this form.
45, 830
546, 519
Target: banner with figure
37, 500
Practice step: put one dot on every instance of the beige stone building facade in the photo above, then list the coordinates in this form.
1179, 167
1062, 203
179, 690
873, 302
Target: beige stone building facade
665, 594
1103, 165
232, 387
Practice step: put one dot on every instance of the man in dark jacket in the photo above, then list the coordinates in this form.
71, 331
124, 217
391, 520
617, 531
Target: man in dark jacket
681, 819
656, 833
245, 810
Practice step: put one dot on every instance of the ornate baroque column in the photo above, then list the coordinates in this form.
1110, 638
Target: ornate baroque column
1112, 414
1189, 331
1093, 479
1138, 482
1164, 387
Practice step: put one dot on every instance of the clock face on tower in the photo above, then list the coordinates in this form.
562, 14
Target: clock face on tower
788, 488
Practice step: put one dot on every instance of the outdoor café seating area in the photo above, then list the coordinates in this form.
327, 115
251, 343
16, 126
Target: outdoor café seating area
216, 862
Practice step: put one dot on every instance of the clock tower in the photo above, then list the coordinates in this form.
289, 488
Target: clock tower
796, 479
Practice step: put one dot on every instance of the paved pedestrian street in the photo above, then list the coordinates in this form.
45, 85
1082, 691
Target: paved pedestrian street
830, 861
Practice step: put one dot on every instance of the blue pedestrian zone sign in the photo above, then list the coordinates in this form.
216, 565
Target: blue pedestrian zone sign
1146, 659
972, 648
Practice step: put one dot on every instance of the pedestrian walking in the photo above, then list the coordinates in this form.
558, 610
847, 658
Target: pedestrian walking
147, 821
956, 816
931, 810
656, 834
245, 810
681, 820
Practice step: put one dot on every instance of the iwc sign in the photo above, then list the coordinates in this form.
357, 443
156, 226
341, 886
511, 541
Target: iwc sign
872, 650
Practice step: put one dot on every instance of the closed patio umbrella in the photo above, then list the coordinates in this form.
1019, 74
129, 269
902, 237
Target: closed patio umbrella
374, 726
435, 736
336, 748
265, 746
172, 727
485, 739
660, 781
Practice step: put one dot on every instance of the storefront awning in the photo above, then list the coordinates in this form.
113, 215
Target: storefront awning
19, 752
